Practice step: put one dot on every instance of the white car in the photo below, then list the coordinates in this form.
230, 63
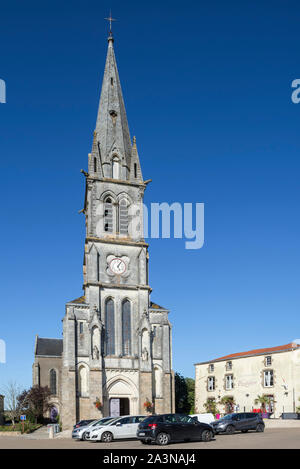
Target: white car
80, 432
122, 427
204, 418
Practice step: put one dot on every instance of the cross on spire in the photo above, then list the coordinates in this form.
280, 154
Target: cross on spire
110, 19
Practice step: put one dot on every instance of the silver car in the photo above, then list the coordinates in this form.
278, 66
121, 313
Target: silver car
80, 432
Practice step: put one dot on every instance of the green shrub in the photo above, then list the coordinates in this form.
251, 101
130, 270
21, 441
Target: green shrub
28, 427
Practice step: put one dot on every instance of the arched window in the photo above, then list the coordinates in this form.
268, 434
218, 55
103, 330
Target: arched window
109, 327
123, 217
126, 328
108, 215
82, 381
53, 384
115, 168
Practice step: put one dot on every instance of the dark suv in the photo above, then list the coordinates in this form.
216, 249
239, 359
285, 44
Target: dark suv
163, 429
242, 422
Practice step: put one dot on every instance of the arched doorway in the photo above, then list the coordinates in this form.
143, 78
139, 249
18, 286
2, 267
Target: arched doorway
121, 397
119, 406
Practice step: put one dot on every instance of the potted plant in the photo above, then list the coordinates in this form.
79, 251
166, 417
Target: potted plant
148, 406
211, 407
98, 404
263, 401
228, 402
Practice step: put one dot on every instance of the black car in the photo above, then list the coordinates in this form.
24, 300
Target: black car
242, 421
166, 428
83, 423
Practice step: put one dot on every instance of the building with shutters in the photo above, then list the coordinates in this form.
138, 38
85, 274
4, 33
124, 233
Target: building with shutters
273, 373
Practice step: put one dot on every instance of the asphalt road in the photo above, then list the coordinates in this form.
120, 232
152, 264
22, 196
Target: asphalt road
287, 438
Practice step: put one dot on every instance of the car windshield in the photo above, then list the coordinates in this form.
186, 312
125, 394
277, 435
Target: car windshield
228, 417
109, 421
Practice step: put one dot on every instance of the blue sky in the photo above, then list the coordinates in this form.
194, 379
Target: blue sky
208, 95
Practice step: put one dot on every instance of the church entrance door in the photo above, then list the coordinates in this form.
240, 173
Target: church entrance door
119, 407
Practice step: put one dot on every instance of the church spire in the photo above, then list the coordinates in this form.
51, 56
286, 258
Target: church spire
112, 131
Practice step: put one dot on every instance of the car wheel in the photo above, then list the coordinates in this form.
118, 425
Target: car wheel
106, 437
244, 431
84, 436
230, 430
259, 428
162, 439
206, 435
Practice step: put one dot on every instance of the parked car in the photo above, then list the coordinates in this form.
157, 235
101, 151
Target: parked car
122, 427
242, 421
166, 428
83, 423
204, 418
80, 432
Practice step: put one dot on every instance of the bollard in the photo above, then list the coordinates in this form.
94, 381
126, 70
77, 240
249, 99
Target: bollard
51, 432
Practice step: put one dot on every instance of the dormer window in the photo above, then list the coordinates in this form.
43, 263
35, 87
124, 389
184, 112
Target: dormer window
113, 116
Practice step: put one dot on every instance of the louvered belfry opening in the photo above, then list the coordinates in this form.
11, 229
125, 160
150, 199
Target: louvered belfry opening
123, 217
108, 216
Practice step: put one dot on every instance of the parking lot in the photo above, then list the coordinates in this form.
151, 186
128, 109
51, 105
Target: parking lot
279, 438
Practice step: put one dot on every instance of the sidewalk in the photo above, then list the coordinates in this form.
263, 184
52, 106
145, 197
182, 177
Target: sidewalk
279, 423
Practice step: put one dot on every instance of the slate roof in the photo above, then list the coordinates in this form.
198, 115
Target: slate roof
49, 347
80, 300
260, 351
156, 306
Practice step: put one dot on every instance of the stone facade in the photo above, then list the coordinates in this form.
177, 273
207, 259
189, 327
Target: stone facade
273, 372
116, 343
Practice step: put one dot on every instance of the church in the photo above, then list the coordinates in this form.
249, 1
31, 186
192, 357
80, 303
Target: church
115, 357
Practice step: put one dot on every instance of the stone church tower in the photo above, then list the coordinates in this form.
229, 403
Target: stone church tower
116, 343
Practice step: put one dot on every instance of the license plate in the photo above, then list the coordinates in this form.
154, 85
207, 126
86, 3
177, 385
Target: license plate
142, 434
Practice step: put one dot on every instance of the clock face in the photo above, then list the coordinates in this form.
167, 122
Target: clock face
117, 266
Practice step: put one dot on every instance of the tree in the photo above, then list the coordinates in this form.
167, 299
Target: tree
184, 394
36, 402
11, 392
181, 394
190, 384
